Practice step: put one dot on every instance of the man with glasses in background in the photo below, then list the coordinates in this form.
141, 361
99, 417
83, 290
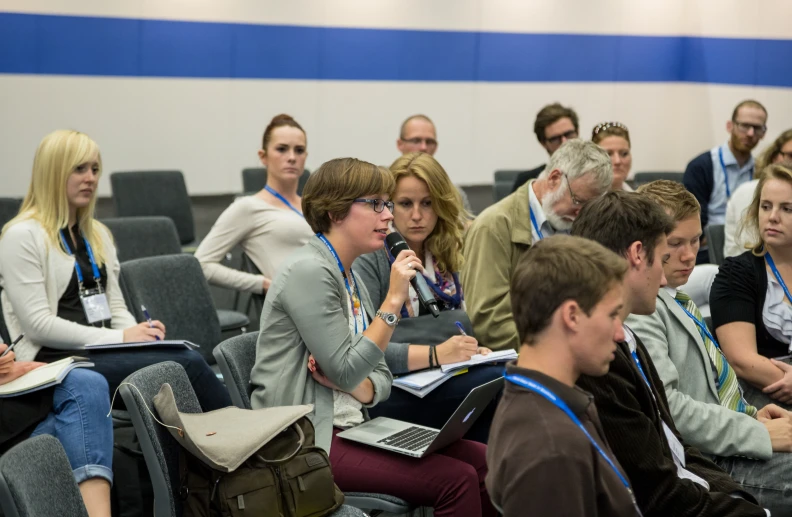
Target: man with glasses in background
418, 135
577, 172
554, 125
715, 174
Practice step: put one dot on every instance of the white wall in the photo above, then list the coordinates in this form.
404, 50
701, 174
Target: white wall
211, 128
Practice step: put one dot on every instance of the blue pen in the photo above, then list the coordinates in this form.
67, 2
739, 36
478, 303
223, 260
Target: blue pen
461, 328
148, 318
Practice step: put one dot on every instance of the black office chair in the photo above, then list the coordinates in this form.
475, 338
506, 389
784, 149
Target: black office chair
716, 241
648, 177
503, 184
9, 208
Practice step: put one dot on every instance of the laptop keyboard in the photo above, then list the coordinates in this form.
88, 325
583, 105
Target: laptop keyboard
411, 439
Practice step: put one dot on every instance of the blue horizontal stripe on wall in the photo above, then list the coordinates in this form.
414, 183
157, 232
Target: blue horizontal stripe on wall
79, 45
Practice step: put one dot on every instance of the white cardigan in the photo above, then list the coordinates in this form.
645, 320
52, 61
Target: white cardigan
34, 274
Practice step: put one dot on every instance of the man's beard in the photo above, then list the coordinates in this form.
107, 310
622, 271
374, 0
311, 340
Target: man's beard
557, 222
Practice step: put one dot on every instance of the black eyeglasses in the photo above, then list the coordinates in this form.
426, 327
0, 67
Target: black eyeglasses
569, 135
575, 200
430, 142
743, 127
377, 204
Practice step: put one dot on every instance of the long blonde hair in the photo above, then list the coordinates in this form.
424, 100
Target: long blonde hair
751, 220
57, 156
445, 241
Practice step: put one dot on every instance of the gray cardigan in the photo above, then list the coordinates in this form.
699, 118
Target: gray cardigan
306, 312
373, 269
678, 353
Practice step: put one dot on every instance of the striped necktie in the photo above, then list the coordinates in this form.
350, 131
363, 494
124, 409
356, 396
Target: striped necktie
729, 392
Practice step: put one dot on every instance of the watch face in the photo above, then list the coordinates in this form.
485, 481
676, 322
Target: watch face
390, 319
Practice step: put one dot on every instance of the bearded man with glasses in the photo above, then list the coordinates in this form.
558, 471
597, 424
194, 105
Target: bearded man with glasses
577, 172
715, 174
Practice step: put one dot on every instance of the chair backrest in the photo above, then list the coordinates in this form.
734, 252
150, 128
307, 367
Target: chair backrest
160, 449
174, 290
9, 208
36, 480
141, 193
4, 336
139, 237
504, 182
716, 240
236, 357
648, 177
254, 179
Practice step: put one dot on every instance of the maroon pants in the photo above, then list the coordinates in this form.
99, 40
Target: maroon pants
451, 480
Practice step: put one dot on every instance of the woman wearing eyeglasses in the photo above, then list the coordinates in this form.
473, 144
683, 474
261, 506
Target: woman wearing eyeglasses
429, 215
323, 342
615, 139
739, 239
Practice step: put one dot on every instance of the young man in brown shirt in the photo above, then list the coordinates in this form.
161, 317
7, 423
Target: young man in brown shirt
547, 453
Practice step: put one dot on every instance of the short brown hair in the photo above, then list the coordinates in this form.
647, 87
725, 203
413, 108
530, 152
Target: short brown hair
551, 114
618, 219
330, 191
675, 199
751, 103
411, 118
557, 269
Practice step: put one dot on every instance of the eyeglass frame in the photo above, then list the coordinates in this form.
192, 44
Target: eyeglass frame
374, 203
575, 200
569, 135
743, 127
430, 142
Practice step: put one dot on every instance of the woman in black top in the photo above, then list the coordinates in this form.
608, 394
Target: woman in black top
750, 303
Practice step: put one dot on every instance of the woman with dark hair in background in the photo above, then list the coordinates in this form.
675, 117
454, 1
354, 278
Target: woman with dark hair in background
268, 225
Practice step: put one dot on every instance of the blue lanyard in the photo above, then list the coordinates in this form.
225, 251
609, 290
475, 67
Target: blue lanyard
282, 199
537, 388
637, 361
97, 276
772, 265
700, 324
533, 222
346, 283
725, 174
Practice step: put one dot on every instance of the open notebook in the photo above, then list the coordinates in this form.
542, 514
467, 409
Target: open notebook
167, 343
501, 356
43, 377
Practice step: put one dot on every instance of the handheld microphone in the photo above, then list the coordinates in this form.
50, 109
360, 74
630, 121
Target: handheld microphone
396, 245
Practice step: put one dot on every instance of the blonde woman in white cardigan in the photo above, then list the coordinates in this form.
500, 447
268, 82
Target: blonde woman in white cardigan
59, 273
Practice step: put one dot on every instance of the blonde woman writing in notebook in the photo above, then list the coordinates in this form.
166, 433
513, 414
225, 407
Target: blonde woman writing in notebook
59, 274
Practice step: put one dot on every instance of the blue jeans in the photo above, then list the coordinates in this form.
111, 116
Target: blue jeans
435, 409
79, 419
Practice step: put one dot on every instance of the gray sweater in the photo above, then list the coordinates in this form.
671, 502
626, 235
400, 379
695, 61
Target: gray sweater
373, 270
306, 312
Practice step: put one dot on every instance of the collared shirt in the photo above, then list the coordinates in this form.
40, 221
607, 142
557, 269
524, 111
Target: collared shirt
737, 176
535, 450
539, 215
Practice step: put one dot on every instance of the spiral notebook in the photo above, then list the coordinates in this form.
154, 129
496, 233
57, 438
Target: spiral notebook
43, 377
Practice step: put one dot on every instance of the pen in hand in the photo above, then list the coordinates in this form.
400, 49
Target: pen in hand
11, 347
148, 318
461, 328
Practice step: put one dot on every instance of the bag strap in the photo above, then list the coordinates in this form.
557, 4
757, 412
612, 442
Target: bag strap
290, 456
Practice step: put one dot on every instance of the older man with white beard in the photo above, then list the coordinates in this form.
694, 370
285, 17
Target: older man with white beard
576, 173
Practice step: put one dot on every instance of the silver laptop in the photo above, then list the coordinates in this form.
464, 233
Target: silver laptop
417, 440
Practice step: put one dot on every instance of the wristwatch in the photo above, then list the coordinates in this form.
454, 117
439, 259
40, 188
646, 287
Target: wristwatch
389, 318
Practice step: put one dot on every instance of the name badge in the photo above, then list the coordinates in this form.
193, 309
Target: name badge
677, 450
95, 305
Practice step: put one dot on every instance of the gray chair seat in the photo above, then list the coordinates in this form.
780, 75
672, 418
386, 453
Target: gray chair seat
36, 480
232, 320
236, 357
